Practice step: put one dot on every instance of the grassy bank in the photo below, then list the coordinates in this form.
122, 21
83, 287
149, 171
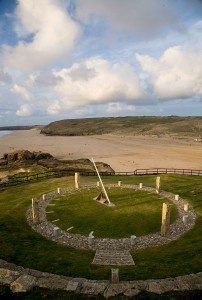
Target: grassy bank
146, 125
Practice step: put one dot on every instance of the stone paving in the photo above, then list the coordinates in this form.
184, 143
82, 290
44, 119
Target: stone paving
113, 246
107, 257
22, 280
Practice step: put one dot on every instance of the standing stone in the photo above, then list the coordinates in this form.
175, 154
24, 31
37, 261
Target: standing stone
35, 212
90, 240
132, 239
186, 207
119, 183
176, 197
98, 183
58, 190
140, 186
158, 180
115, 275
185, 219
165, 219
76, 177
44, 197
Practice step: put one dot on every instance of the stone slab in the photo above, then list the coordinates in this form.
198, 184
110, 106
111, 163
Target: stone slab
23, 283
8, 276
112, 257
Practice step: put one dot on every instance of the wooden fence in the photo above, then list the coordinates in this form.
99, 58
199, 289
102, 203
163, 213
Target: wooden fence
17, 179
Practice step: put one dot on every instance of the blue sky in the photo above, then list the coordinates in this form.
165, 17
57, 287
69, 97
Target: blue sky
86, 58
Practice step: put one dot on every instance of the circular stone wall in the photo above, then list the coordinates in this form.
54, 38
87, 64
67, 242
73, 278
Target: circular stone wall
53, 232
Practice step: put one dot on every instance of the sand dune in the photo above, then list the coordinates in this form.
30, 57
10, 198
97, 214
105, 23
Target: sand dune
123, 153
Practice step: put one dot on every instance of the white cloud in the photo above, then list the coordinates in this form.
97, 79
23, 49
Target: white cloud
50, 33
5, 78
120, 108
97, 81
22, 91
54, 108
177, 74
24, 111
142, 18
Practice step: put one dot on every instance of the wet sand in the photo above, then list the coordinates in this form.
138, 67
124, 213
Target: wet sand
123, 153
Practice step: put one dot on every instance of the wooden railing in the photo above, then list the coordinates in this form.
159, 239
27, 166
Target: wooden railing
17, 179
167, 171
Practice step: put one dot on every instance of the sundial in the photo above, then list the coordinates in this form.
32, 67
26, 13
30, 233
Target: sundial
103, 197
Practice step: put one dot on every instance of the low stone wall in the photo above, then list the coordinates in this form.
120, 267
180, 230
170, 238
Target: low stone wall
52, 232
22, 280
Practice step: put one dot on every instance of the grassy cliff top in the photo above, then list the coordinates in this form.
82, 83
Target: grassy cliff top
147, 125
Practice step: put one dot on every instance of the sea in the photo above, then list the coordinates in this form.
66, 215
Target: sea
5, 132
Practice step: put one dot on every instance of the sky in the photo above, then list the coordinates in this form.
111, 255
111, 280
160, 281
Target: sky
62, 59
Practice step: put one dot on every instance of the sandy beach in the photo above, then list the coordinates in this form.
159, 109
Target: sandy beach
123, 153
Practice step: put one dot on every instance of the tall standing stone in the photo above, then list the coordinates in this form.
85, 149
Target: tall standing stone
119, 183
114, 275
185, 219
165, 219
158, 182
140, 185
186, 207
76, 180
35, 212
176, 197
98, 183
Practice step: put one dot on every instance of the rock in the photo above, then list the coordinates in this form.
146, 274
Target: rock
3, 162
116, 289
7, 276
54, 282
25, 158
72, 286
23, 283
90, 287
24, 155
132, 292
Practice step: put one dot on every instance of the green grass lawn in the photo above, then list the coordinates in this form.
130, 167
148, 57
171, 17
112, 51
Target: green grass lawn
21, 245
135, 213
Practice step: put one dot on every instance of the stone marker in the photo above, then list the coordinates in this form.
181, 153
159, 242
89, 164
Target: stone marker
119, 183
132, 239
158, 180
186, 207
70, 228
58, 190
177, 197
55, 230
44, 197
165, 219
114, 275
55, 220
91, 238
140, 185
35, 212
185, 219
98, 183
76, 177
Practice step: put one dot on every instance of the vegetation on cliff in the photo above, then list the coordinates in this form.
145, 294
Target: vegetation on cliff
172, 125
